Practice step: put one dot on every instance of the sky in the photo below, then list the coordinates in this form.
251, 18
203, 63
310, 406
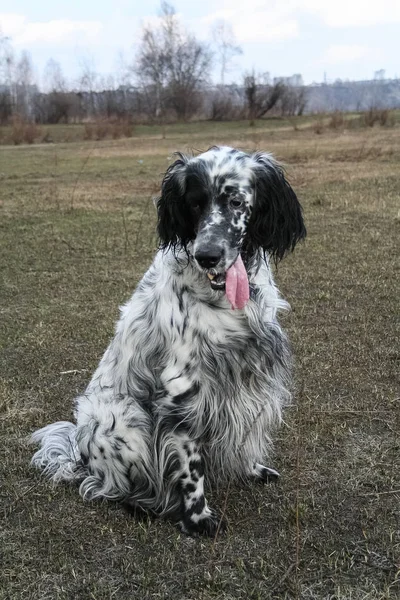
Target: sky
320, 39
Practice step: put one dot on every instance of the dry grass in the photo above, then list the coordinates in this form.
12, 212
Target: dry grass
77, 232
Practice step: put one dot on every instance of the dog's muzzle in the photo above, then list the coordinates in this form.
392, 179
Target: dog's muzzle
209, 258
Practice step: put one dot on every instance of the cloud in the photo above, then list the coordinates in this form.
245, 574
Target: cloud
259, 28
352, 13
280, 18
11, 23
342, 53
252, 22
59, 31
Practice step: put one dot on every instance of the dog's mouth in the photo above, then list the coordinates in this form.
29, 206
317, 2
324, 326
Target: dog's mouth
217, 280
234, 282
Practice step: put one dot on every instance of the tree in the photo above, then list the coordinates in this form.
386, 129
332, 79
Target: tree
54, 79
122, 71
58, 104
261, 96
88, 80
16, 82
6, 69
293, 101
171, 66
379, 75
24, 88
225, 43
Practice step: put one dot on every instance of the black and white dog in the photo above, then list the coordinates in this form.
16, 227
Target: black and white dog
198, 371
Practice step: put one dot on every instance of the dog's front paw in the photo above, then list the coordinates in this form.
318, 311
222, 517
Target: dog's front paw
265, 474
208, 522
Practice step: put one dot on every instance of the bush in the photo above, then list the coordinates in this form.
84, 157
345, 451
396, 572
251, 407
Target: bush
23, 131
336, 120
104, 127
318, 126
371, 117
17, 131
31, 132
47, 139
224, 109
127, 127
88, 131
383, 116
386, 118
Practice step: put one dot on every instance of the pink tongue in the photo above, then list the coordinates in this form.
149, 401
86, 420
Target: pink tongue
237, 284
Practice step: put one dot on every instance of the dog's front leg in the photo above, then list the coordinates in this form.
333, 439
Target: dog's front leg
196, 516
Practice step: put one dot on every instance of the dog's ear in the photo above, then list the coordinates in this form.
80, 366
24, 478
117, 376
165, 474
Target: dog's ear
276, 223
172, 218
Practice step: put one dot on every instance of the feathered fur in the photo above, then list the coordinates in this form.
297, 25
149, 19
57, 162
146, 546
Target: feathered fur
189, 388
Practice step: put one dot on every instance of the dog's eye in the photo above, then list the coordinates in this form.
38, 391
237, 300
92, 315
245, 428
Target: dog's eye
236, 203
197, 203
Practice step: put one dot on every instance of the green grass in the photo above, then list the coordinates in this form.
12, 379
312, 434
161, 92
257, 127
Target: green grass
77, 232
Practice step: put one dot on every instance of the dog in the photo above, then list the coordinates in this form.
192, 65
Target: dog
194, 381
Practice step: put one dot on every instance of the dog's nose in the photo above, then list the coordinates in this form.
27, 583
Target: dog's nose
208, 258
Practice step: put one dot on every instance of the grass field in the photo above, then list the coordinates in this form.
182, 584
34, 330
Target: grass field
77, 232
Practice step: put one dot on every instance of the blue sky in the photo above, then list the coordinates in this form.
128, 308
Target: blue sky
340, 38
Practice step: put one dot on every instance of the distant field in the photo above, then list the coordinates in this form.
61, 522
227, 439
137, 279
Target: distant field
204, 130
77, 232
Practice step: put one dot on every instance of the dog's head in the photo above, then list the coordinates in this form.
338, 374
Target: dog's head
224, 203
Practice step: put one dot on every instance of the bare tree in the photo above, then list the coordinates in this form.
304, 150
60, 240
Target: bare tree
172, 65
24, 88
6, 69
58, 104
151, 63
293, 101
226, 46
88, 80
261, 96
122, 71
16, 82
54, 80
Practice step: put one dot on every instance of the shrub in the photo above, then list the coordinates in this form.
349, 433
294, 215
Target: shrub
107, 127
31, 132
386, 118
47, 139
88, 131
224, 109
127, 127
318, 126
337, 120
370, 117
101, 128
23, 131
17, 131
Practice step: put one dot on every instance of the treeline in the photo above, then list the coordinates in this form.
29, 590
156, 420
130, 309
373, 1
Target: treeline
170, 80
218, 104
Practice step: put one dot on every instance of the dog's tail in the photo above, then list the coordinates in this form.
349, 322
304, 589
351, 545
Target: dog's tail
58, 456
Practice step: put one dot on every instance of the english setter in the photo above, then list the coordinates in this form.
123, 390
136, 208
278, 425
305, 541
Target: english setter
196, 376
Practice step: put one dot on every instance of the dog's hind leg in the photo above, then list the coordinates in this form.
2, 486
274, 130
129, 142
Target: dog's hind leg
114, 441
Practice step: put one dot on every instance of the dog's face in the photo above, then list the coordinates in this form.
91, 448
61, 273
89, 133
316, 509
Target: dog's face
225, 202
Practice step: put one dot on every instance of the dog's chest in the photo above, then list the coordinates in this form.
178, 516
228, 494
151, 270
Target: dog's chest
199, 323
203, 341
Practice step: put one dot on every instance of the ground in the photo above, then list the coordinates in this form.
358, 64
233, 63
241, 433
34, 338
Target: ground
77, 233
